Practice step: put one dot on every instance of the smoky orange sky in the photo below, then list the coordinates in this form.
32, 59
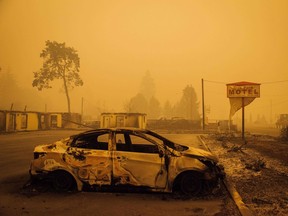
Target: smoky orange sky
179, 42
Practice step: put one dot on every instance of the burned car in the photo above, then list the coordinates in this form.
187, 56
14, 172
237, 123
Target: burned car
121, 157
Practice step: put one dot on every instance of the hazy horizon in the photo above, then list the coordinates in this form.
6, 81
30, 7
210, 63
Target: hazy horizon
179, 43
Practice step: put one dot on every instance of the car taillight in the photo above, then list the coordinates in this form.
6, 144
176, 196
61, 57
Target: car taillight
39, 154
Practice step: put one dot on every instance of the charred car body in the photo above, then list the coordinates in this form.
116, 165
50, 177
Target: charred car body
125, 157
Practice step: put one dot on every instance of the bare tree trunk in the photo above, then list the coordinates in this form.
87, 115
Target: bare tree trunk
67, 93
68, 101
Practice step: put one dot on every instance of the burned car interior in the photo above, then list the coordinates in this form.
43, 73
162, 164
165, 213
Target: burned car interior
92, 141
134, 143
124, 142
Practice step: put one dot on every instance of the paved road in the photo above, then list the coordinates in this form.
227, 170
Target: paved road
16, 153
17, 148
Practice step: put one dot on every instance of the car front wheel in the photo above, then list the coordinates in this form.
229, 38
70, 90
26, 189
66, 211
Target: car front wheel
63, 181
191, 184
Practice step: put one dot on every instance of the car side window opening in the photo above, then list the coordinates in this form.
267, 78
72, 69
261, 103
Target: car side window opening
140, 144
134, 143
120, 139
92, 141
123, 142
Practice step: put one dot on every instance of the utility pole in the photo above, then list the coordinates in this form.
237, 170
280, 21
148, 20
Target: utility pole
82, 104
271, 112
203, 106
243, 119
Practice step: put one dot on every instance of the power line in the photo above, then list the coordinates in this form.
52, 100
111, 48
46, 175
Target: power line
281, 102
274, 82
275, 104
215, 82
271, 82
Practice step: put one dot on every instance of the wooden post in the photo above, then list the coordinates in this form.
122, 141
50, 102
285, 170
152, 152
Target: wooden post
82, 104
243, 119
203, 106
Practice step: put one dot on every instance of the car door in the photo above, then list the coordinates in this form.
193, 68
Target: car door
137, 162
91, 158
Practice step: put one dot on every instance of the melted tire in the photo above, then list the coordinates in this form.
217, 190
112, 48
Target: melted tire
62, 181
191, 184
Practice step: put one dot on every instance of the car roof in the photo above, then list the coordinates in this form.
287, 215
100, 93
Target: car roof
112, 129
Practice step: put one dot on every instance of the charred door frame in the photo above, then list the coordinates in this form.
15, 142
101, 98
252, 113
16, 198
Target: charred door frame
128, 177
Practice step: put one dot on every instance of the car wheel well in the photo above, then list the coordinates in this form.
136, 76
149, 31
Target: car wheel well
181, 180
63, 181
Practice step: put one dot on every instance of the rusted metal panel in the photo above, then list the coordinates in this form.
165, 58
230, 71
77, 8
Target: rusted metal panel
139, 169
90, 166
151, 165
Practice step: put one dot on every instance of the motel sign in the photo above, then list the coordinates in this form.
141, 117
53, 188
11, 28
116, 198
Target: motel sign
243, 90
240, 95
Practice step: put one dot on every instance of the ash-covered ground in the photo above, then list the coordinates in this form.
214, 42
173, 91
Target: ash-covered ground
258, 167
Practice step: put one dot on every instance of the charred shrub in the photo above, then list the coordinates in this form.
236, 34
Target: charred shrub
256, 165
284, 133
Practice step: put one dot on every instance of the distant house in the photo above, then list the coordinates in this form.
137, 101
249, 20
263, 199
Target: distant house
29, 120
18, 121
137, 120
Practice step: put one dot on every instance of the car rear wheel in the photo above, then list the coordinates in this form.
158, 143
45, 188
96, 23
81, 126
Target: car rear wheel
63, 181
191, 184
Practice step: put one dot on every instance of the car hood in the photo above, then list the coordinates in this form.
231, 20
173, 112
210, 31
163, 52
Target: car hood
199, 153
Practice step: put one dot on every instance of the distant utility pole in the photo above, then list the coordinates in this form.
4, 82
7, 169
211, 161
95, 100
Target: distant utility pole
243, 118
82, 104
203, 106
271, 112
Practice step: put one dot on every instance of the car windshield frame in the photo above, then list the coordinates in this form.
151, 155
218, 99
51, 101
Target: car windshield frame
168, 143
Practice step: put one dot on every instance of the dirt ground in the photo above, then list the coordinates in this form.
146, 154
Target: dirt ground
258, 168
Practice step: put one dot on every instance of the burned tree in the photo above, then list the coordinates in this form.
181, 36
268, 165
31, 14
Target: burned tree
59, 62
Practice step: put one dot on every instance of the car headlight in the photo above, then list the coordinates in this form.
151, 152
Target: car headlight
216, 169
210, 164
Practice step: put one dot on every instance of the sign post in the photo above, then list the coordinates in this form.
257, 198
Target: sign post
243, 119
240, 95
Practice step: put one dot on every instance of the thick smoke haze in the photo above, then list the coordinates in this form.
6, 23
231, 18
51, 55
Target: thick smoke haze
178, 42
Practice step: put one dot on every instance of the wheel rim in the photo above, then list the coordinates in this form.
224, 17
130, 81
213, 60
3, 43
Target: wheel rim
191, 184
62, 181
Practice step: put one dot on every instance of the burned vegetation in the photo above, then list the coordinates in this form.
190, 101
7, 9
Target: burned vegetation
257, 167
